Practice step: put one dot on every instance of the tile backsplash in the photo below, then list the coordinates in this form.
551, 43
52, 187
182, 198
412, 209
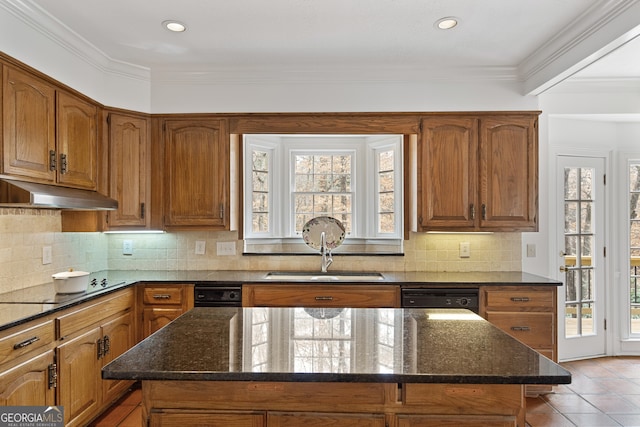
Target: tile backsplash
24, 233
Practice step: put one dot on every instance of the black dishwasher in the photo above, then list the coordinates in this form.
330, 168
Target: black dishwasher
217, 296
440, 298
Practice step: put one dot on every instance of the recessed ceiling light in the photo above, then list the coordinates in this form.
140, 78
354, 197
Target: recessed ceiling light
175, 26
446, 23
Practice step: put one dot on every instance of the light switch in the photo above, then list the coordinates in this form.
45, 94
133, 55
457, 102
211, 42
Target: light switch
200, 247
46, 255
465, 250
531, 250
226, 248
127, 247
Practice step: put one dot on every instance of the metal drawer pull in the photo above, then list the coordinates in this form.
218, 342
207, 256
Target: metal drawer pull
161, 296
25, 343
520, 328
520, 299
324, 298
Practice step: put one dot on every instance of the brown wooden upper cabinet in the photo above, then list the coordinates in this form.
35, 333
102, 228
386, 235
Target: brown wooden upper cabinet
196, 174
478, 173
48, 134
129, 171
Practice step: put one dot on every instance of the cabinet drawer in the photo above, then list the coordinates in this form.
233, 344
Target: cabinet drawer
25, 338
457, 421
362, 296
520, 299
315, 419
157, 295
95, 312
199, 418
534, 329
463, 399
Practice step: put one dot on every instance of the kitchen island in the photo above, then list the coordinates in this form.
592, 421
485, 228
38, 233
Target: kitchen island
345, 367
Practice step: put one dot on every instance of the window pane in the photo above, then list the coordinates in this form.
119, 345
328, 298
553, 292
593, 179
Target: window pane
386, 181
303, 203
322, 204
260, 202
570, 320
586, 185
570, 217
260, 223
572, 286
587, 285
342, 164
321, 164
386, 223
386, 161
260, 181
586, 217
304, 183
587, 319
260, 161
342, 204
341, 183
386, 202
571, 184
304, 164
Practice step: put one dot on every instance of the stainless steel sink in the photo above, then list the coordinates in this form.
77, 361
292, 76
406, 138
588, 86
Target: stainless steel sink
325, 277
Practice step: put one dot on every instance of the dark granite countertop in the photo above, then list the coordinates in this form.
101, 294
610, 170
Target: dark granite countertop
357, 345
27, 304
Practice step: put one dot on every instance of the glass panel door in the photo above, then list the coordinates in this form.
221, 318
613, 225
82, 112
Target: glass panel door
581, 320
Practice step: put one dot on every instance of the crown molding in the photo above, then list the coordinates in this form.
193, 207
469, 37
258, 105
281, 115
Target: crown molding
40, 21
607, 25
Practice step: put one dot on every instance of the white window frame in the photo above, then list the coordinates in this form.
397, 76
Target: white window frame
364, 185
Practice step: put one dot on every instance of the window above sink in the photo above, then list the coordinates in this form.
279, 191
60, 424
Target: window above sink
289, 179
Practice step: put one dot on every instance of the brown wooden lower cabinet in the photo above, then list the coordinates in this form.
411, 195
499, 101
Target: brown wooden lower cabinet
195, 418
459, 421
28, 383
316, 404
314, 419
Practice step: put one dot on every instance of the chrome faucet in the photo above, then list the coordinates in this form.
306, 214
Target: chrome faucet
326, 259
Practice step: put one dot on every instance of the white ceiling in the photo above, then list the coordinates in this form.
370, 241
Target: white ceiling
508, 38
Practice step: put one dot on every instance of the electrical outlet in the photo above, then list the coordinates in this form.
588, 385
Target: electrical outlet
226, 248
127, 247
200, 247
465, 250
46, 255
531, 250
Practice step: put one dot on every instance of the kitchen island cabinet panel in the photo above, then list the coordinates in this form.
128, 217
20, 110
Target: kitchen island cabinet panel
459, 421
206, 418
29, 383
315, 419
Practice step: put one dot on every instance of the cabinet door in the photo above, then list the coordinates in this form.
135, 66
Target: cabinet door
196, 174
448, 173
509, 173
28, 383
28, 126
118, 336
79, 377
129, 170
206, 418
314, 419
155, 318
77, 142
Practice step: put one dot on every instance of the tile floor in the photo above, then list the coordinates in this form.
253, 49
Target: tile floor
604, 392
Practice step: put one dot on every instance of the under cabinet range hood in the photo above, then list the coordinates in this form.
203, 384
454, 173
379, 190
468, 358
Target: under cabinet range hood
22, 194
